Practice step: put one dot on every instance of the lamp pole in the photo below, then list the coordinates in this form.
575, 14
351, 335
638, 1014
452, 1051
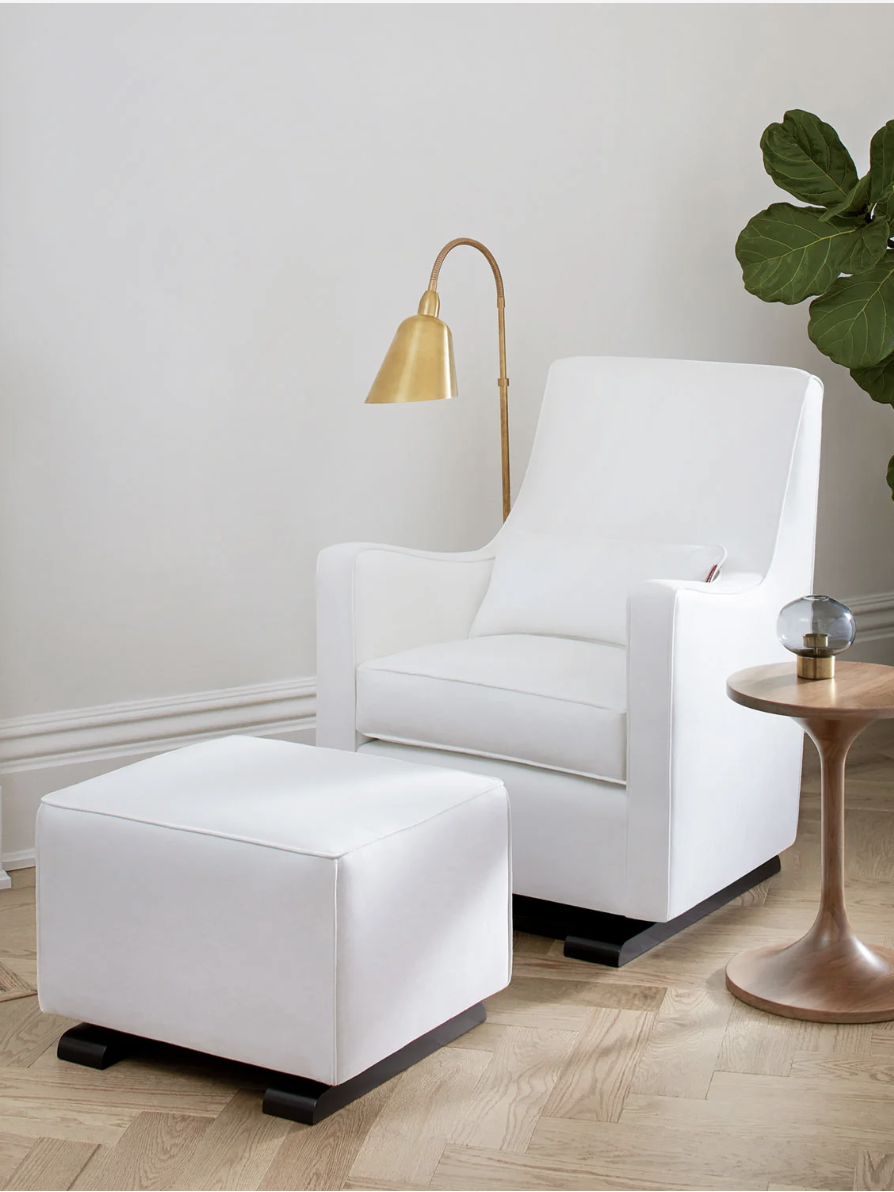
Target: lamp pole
501, 326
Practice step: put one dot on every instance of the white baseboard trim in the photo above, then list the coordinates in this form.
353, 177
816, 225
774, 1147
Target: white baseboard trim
153, 725
874, 616
25, 858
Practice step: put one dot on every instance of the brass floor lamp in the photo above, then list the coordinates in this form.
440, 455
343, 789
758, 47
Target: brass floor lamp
419, 365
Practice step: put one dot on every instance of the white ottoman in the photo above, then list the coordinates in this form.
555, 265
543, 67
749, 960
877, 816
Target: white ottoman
325, 915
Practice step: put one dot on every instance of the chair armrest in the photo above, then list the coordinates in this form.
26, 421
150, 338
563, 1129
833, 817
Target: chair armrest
713, 788
373, 601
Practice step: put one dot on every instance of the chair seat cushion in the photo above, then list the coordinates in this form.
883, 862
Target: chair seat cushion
544, 701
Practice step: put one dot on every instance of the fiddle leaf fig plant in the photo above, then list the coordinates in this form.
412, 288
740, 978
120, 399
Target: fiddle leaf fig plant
838, 249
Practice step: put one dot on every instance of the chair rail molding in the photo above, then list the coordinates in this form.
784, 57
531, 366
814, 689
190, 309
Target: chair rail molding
142, 726
46, 752
874, 615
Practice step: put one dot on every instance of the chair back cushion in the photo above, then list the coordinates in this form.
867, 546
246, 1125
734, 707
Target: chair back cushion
668, 451
564, 587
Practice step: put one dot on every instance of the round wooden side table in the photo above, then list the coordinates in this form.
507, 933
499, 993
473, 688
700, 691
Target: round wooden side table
829, 975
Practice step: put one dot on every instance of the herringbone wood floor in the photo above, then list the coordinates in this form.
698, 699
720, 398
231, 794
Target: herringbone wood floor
647, 1077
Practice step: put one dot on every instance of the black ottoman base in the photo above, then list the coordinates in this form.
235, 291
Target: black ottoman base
292, 1097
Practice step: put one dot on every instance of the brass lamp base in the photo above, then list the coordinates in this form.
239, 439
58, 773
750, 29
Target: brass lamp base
816, 668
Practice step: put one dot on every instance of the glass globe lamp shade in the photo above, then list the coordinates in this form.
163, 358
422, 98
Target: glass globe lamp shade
816, 628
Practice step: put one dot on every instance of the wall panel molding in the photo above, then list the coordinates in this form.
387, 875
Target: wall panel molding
874, 615
147, 726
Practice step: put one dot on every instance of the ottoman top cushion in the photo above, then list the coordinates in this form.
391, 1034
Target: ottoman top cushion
299, 798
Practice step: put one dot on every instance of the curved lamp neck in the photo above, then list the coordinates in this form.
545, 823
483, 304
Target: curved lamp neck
485, 252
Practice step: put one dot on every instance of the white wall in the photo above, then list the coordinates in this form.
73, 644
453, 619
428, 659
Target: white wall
213, 218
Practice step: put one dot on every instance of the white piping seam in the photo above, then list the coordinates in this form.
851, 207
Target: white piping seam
558, 699
670, 751
335, 975
497, 757
282, 848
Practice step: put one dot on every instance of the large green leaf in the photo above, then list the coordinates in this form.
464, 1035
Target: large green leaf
878, 381
885, 211
853, 322
877, 185
805, 156
865, 247
881, 164
856, 203
787, 253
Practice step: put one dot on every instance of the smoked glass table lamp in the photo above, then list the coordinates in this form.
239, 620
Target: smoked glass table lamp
816, 628
419, 365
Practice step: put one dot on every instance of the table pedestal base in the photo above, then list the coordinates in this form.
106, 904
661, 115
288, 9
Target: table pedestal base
843, 980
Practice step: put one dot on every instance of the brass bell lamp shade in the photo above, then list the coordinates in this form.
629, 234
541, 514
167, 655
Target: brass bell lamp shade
419, 365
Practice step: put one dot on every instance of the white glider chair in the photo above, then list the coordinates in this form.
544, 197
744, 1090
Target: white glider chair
581, 657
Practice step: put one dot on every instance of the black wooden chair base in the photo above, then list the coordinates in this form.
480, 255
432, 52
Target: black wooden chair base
95, 1046
612, 939
292, 1097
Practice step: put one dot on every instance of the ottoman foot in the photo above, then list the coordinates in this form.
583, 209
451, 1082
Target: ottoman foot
93, 1046
309, 1101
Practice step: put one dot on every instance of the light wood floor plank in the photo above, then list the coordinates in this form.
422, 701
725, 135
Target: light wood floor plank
49, 1122
19, 934
881, 1042
587, 986
382, 1186
682, 1051
15, 897
487, 1036
52, 1163
24, 967
321, 1156
755, 1042
426, 1102
86, 1088
839, 1067
689, 1150
508, 1100
505, 1009
530, 945
756, 896
875, 1172
467, 1169
234, 1152
25, 1033
831, 1038
597, 1074
12, 986
13, 1149
774, 1106
151, 1146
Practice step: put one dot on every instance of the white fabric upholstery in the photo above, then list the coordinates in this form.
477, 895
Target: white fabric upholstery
274, 903
569, 834
567, 587
670, 451
546, 701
